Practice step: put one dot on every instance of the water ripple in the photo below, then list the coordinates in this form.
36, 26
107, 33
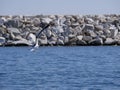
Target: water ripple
60, 68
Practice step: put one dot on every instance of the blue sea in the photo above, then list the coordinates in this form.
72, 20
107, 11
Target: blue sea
60, 68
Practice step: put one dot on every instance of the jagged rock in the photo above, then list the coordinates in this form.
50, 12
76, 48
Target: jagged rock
21, 42
66, 29
110, 41
82, 26
99, 33
98, 27
90, 33
61, 37
72, 41
89, 26
103, 37
2, 40
60, 42
43, 41
46, 20
3, 31
112, 27
75, 24
13, 37
87, 38
118, 42
58, 29
67, 22
31, 38
81, 42
13, 23
36, 21
2, 20
18, 37
71, 36
102, 18
89, 20
107, 33
52, 40
80, 37
66, 39
118, 36
13, 30
97, 41
113, 30
61, 21
48, 33
52, 16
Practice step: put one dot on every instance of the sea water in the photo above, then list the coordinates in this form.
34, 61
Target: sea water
60, 68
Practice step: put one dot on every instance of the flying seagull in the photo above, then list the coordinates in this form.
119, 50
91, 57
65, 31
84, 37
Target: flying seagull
36, 45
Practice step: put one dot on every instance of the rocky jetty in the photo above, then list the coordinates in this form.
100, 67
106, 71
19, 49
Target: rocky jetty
67, 30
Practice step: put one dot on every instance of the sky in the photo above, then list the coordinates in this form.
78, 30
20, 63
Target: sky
63, 7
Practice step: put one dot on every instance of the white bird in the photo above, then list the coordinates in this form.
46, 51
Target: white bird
35, 38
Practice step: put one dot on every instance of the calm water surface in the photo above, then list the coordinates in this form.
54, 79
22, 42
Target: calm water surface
60, 68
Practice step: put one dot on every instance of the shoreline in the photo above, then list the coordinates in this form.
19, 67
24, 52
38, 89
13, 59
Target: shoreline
68, 30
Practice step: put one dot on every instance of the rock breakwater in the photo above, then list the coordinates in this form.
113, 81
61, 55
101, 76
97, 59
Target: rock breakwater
67, 30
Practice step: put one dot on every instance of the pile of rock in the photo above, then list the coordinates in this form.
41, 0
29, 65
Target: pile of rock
67, 30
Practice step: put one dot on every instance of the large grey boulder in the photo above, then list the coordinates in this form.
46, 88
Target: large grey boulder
89, 20
66, 39
13, 23
58, 29
114, 31
71, 36
61, 37
31, 38
98, 27
75, 24
46, 20
13, 37
89, 26
43, 40
110, 41
18, 37
36, 21
48, 33
87, 38
81, 42
2, 20
107, 33
2, 41
97, 41
52, 40
21, 42
60, 42
80, 37
13, 30
72, 41
90, 33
